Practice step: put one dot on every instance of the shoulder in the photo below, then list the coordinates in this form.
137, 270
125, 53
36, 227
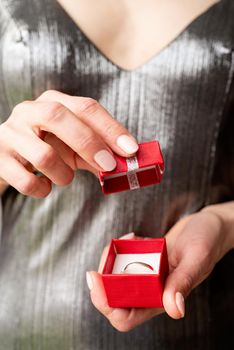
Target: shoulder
5, 17
20, 13
216, 24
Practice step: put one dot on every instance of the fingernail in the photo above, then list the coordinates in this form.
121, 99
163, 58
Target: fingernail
105, 160
128, 236
127, 144
180, 303
89, 280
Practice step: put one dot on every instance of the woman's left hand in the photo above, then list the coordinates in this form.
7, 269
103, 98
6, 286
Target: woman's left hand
195, 244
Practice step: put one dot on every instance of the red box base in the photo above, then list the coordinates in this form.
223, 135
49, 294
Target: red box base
135, 290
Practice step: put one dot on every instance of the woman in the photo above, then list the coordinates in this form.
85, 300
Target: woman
159, 71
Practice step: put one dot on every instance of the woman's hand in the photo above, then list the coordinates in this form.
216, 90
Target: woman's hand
195, 244
56, 134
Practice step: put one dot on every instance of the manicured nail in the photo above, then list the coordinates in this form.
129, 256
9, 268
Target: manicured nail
180, 303
127, 144
128, 236
105, 160
89, 280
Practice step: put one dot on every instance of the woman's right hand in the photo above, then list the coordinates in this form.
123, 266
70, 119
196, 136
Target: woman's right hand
55, 135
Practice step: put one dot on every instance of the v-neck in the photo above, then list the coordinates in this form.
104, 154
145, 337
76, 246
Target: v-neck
115, 56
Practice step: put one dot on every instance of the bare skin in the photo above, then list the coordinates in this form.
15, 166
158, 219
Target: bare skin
130, 32
65, 133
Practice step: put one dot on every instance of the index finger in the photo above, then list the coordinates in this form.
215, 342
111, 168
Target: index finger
55, 118
98, 119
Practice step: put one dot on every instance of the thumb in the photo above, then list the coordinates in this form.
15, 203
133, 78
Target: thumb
179, 284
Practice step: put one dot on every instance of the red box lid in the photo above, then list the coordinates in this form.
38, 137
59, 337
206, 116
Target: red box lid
149, 154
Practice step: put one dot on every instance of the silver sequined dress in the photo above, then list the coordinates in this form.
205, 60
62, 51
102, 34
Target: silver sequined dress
183, 97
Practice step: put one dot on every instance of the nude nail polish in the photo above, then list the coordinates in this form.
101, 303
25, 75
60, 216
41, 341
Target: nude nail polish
127, 144
105, 160
89, 280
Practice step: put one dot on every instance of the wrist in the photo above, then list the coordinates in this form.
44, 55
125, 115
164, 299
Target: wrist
225, 213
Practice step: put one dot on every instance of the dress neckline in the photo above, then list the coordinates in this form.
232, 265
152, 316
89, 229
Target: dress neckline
146, 62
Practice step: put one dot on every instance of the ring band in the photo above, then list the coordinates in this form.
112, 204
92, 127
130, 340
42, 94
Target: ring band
148, 266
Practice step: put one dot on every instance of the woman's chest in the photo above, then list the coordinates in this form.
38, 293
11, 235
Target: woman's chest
130, 32
186, 84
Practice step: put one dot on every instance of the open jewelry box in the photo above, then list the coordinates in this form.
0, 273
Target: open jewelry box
135, 271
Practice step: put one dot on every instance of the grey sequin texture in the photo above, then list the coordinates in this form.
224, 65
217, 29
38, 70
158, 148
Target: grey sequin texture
183, 97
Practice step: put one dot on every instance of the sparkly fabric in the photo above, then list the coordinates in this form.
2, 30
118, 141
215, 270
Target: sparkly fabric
183, 97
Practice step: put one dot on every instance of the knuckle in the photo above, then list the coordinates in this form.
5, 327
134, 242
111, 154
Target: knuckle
27, 185
207, 261
86, 141
68, 179
122, 324
46, 158
48, 94
19, 114
5, 133
113, 129
122, 327
89, 106
188, 282
54, 112
205, 252
20, 108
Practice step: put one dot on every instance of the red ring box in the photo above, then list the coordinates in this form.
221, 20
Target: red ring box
135, 290
144, 169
